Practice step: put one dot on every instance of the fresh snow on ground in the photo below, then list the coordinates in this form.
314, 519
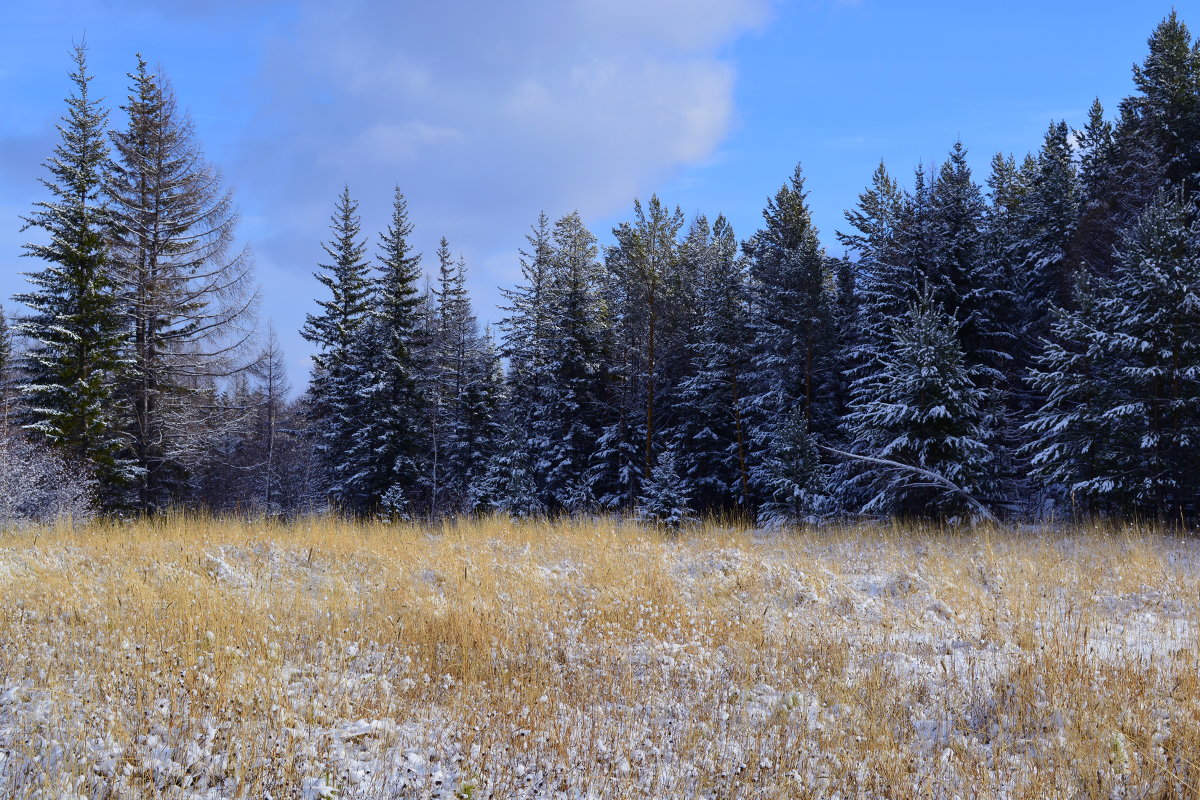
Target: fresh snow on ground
758, 666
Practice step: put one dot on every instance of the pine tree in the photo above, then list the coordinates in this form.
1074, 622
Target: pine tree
339, 363
1122, 423
921, 409
75, 329
644, 265
186, 289
390, 448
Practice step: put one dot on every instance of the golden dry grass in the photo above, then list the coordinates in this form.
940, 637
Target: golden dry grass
206, 658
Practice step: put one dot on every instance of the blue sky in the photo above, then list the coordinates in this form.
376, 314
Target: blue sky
486, 113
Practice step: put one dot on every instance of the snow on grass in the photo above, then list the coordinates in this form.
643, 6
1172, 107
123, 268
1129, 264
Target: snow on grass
202, 659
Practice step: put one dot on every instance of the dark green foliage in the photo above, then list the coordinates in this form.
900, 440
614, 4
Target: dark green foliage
342, 354
921, 409
792, 301
74, 326
664, 499
390, 447
710, 435
794, 476
1121, 427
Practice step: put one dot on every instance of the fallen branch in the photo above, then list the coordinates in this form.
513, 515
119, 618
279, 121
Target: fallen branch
936, 480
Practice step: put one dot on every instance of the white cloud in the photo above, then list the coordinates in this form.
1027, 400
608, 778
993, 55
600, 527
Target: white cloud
487, 112
484, 113
384, 144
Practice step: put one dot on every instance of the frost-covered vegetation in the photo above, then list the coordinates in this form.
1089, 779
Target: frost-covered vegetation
1019, 346
191, 658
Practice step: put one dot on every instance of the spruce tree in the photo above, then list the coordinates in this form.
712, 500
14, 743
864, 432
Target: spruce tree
710, 435
1094, 236
959, 277
509, 484
341, 357
1006, 244
527, 333
885, 277
1154, 145
921, 409
664, 499
1049, 213
644, 267
576, 464
6, 369
1122, 423
460, 383
794, 477
1167, 108
74, 363
389, 450
484, 431
1074, 450
791, 282
8, 379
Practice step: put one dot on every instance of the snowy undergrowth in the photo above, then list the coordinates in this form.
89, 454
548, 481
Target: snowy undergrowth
198, 659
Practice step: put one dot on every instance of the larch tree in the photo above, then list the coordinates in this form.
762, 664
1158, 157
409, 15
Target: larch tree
186, 288
271, 393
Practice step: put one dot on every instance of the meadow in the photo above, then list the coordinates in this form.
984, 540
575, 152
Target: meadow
206, 658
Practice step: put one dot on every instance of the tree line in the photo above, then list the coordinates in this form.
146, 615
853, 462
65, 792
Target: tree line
1024, 347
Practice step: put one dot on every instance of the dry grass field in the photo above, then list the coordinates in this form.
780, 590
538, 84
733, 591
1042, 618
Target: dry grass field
197, 658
